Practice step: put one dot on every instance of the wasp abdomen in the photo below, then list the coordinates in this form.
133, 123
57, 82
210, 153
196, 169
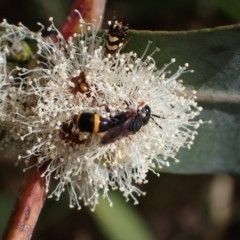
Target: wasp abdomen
92, 122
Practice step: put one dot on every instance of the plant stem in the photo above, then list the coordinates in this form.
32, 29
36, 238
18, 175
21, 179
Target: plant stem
89, 9
28, 205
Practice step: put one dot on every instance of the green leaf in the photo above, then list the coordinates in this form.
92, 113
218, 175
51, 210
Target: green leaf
232, 8
120, 222
214, 54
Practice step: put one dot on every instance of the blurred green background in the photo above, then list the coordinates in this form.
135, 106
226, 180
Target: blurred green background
176, 207
151, 15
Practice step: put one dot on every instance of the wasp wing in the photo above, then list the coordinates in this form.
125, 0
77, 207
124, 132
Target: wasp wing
119, 131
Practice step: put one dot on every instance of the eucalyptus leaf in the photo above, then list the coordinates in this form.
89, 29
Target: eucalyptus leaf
214, 54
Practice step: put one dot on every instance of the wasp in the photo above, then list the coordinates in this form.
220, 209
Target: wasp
116, 127
115, 36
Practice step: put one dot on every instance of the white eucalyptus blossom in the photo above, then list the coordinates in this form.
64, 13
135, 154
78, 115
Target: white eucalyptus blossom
78, 76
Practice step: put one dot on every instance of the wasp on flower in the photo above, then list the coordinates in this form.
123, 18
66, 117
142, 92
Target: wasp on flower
100, 118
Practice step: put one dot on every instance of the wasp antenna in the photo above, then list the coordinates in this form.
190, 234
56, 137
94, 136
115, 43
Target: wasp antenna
154, 115
156, 122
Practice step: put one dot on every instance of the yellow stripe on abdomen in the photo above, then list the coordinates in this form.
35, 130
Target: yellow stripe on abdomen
111, 48
96, 123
